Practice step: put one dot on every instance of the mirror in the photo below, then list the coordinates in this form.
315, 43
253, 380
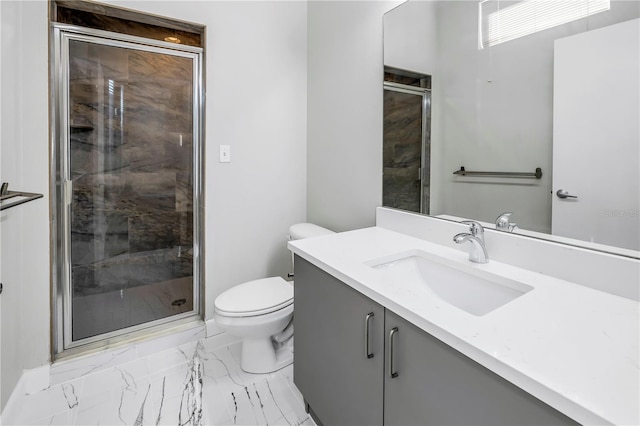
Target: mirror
550, 119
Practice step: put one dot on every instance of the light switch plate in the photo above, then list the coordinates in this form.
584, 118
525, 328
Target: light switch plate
225, 153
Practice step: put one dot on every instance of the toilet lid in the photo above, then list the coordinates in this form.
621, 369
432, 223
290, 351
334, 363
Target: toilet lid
255, 297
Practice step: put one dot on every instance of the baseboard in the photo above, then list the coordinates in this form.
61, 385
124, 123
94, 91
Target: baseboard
213, 329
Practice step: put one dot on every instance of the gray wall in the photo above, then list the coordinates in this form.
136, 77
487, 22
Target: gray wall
344, 110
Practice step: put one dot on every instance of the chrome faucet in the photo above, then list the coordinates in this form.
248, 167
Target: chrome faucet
478, 252
503, 223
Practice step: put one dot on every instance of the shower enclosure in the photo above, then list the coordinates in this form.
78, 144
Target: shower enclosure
406, 141
126, 158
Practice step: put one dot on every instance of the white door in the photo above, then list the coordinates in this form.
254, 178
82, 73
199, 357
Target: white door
596, 136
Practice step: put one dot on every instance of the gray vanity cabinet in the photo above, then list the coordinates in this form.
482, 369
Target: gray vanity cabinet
340, 378
412, 378
437, 385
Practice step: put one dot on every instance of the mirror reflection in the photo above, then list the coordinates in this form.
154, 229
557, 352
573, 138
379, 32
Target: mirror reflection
524, 107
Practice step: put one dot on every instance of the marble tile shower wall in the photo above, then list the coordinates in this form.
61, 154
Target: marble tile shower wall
131, 165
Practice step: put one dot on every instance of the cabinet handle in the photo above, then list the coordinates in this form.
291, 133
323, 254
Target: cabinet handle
367, 353
393, 374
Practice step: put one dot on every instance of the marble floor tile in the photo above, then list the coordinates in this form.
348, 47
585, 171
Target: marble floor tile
122, 376
172, 357
198, 383
125, 405
59, 419
49, 404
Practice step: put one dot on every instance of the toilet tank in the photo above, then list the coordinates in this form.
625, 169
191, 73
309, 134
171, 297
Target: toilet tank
300, 231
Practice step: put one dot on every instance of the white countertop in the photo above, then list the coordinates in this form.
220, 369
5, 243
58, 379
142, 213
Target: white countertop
572, 347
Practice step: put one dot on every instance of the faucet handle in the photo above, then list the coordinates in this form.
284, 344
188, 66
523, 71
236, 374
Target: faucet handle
503, 223
475, 228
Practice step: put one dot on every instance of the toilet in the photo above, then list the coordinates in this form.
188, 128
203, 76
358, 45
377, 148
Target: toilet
261, 313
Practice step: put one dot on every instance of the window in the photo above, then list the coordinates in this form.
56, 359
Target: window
501, 21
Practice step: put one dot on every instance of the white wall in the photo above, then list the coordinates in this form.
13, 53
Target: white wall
492, 111
256, 70
344, 136
24, 266
410, 37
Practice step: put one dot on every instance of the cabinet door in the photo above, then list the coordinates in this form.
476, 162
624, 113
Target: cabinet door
437, 385
342, 385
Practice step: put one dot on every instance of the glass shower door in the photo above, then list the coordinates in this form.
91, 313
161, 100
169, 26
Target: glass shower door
406, 148
129, 174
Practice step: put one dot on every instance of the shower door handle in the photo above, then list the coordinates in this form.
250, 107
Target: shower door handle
68, 191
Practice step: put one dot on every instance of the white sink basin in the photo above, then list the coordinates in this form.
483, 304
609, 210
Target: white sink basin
471, 289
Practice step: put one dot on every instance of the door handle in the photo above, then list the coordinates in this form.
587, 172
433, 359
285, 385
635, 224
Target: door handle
392, 373
564, 194
68, 191
367, 320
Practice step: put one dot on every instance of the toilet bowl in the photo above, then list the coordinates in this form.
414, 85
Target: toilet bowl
261, 313
256, 311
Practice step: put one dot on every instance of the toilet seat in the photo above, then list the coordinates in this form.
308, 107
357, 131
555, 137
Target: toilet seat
258, 297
